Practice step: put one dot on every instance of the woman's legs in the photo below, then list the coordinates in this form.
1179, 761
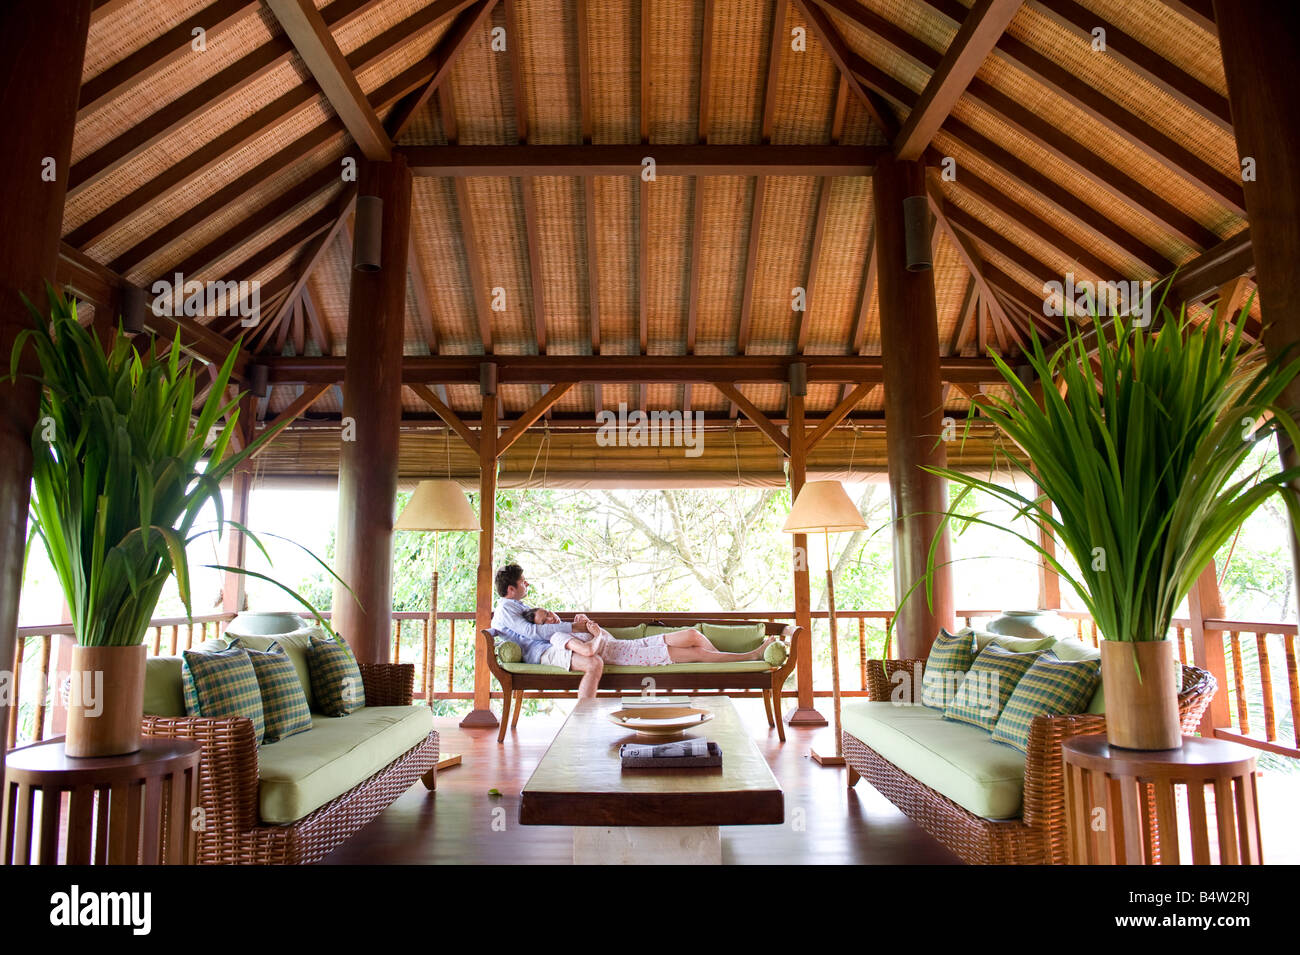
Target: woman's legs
691, 646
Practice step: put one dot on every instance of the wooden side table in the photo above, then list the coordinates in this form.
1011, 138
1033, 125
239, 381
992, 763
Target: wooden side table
120, 810
1122, 804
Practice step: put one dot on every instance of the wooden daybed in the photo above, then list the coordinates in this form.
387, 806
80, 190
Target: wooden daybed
1039, 836
769, 680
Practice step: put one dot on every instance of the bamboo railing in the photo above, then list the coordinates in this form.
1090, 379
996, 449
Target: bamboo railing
1261, 678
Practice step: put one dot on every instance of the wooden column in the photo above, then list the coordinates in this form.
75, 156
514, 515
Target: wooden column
805, 714
372, 415
233, 590
1258, 38
909, 339
1204, 602
42, 46
481, 715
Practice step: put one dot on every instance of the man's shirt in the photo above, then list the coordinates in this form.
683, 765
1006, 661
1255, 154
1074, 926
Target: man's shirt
533, 638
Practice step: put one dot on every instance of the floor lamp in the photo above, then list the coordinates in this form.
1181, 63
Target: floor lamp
436, 506
824, 507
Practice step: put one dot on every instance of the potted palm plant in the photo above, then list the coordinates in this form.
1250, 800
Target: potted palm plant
122, 469
1136, 452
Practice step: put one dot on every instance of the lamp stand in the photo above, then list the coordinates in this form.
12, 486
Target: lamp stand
447, 760
838, 758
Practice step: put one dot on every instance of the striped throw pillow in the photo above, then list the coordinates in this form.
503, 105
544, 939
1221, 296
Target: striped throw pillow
335, 677
284, 704
950, 657
223, 683
1051, 687
989, 683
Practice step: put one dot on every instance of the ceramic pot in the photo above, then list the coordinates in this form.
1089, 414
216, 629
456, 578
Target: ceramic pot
105, 701
1141, 681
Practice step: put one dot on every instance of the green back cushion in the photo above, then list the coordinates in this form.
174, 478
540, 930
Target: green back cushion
1050, 687
733, 638
509, 652
284, 704
294, 644
951, 655
776, 653
653, 629
627, 633
1016, 644
1071, 648
335, 677
163, 694
224, 684
989, 683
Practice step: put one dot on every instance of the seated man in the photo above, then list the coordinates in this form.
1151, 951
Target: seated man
550, 644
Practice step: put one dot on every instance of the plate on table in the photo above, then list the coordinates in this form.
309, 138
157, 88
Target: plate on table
660, 720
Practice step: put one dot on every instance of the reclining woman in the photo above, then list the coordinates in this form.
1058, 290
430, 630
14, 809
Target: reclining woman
657, 650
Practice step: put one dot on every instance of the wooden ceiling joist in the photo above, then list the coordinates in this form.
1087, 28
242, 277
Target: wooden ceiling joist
311, 37
478, 283
980, 30
802, 324
843, 58
751, 265
1200, 12
965, 318
420, 293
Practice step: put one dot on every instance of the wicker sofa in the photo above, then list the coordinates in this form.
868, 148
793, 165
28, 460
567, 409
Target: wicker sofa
516, 679
1038, 834
235, 796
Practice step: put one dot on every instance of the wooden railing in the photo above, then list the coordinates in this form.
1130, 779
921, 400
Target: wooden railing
1259, 673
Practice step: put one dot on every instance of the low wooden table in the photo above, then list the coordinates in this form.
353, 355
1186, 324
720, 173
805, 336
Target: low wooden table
649, 816
116, 806
1109, 794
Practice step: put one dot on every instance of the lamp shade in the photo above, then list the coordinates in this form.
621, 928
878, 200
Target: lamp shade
823, 506
437, 506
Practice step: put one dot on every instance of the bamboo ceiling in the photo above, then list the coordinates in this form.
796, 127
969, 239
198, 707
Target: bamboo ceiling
224, 164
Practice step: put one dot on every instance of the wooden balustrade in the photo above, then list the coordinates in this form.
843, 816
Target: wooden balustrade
1253, 650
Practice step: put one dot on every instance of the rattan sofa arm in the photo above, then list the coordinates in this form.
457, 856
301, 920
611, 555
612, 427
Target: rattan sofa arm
388, 684
882, 683
228, 773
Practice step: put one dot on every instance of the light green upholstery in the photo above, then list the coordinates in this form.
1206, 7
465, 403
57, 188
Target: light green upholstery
1013, 643
653, 629
304, 772
627, 633
745, 666
162, 687
733, 638
956, 759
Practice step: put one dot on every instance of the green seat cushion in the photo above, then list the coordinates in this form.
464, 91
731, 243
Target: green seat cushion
224, 684
951, 655
989, 683
284, 705
627, 633
1071, 648
335, 677
734, 638
304, 772
743, 666
960, 761
163, 695
1051, 687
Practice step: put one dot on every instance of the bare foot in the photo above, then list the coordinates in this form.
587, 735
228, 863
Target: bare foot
580, 621
757, 652
592, 627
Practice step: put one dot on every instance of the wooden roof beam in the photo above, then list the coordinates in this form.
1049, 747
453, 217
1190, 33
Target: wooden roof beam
423, 303
316, 249
1200, 12
965, 316
837, 414
296, 408
980, 30
624, 159
320, 331
752, 412
778, 42
843, 58
966, 251
810, 283
311, 37
477, 280
531, 416
444, 411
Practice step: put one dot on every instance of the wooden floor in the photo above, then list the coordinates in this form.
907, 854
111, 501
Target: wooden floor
825, 822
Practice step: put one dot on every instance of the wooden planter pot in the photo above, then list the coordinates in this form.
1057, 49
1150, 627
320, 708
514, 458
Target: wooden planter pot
105, 701
1141, 699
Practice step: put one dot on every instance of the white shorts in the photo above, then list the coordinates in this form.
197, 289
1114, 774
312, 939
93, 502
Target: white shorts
557, 657
649, 651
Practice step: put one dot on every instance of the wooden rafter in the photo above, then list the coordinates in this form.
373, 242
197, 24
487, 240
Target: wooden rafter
317, 248
857, 339
965, 316
778, 43
1200, 12
298, 407
810, 283
311, 37
843, 58
751, 265
977, 230
478, 286
980, 30
531, 416
752, 412
444, 411
967, 252
423, 303
837, 414
320, 332
643, 266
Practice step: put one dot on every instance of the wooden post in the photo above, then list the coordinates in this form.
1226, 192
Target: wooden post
233, 591
372, 415
1257, 38
42, 46
805, 713
1049, 581
482, 715
1204, 602
909, 341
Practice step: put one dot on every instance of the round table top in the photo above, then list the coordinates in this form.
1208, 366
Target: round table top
48, 761
1095, 752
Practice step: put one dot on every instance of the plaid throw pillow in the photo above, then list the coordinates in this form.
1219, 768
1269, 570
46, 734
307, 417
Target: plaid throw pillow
223, 683
284, 704
1051, 687
950, 657
988, 685
335, 677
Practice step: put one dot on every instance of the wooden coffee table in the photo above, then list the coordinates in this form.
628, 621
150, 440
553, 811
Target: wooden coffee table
649, 816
